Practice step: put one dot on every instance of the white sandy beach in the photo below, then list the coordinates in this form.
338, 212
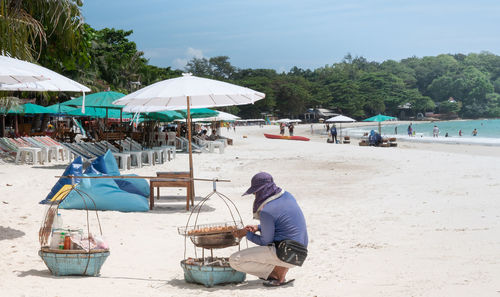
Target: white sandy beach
421, 219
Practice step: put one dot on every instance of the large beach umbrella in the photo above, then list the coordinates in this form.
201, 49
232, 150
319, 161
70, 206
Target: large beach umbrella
380, 118
18, 75
14, 71
184, 93
340, 119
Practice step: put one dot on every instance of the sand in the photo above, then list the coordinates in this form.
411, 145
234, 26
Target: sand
421, 219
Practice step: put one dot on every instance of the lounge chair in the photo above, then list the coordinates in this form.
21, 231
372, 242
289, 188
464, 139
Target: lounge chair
123, 159
23, 150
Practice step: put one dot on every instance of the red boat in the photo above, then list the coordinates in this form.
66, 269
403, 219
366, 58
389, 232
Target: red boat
286, 137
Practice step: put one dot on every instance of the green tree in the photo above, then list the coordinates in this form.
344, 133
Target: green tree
26, 26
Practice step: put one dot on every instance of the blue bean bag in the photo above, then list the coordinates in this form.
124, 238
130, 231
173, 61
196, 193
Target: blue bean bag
75, 169
103, 194
106, 165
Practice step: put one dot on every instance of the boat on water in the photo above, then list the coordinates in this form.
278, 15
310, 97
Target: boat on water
272, 136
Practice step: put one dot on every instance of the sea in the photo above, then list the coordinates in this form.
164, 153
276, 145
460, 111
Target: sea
486, 128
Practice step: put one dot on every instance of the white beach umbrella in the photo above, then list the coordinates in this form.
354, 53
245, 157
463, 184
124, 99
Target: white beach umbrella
14, 71
172, 94
222, 116
340, 119
286, 120
187, 92
18, 75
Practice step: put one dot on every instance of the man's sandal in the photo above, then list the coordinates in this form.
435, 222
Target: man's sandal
276, 283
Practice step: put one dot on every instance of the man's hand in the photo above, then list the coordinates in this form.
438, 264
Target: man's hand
252, 228
240, 233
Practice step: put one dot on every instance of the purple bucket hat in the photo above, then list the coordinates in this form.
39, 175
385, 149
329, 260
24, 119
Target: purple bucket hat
259, 181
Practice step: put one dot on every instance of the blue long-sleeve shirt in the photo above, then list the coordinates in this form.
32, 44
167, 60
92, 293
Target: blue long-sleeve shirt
281, 219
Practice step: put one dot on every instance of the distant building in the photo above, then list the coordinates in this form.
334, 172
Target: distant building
314, 114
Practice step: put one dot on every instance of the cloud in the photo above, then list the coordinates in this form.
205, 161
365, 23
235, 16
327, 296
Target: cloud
194, 53
190, 53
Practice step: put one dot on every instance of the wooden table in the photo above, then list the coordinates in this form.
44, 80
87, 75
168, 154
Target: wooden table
173, 179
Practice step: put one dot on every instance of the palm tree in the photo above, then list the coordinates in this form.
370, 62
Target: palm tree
7, 103
25, 25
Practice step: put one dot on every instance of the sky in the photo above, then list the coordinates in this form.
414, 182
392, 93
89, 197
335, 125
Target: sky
281, 34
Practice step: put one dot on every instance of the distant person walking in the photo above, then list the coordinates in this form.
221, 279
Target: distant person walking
460, 132
474, 132
327, 128
410, 130
282, 129
290, 129
333, 132
396, 130
435, 131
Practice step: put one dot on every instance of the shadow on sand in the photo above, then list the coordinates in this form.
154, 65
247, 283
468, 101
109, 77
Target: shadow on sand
174, 204
9, 233
246, 285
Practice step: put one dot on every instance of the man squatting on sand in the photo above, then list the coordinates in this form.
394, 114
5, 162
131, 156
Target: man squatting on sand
280, 219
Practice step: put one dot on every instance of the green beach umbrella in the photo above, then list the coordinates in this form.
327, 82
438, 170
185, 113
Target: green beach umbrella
380, 118
96, 112
162, 116
29, 108
200, 113
101, 99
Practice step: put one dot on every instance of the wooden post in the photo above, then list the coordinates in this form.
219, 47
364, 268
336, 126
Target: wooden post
191, 173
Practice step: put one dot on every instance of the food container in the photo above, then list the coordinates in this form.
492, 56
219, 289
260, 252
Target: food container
73, 262
212, 236
209, 275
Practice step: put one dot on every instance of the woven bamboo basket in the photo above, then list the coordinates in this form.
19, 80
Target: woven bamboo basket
70, 262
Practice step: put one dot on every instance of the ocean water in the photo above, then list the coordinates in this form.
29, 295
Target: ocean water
487, 128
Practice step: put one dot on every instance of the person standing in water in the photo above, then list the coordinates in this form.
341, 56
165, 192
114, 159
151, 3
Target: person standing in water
435, 131
474, 133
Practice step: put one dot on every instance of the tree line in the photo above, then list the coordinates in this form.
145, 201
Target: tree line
53, 34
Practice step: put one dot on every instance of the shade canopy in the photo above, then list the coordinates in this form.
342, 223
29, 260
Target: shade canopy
18, 75
59, 108
101, 99
29, 108
340, 119
171, 94
380, 118
282, 121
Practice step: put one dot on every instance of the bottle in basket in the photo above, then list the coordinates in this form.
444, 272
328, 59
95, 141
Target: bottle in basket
61, 240
67, 242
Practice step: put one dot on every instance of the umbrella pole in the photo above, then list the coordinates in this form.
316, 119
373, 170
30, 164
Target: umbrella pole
191, 173
380, 128
3, 125
16, 128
